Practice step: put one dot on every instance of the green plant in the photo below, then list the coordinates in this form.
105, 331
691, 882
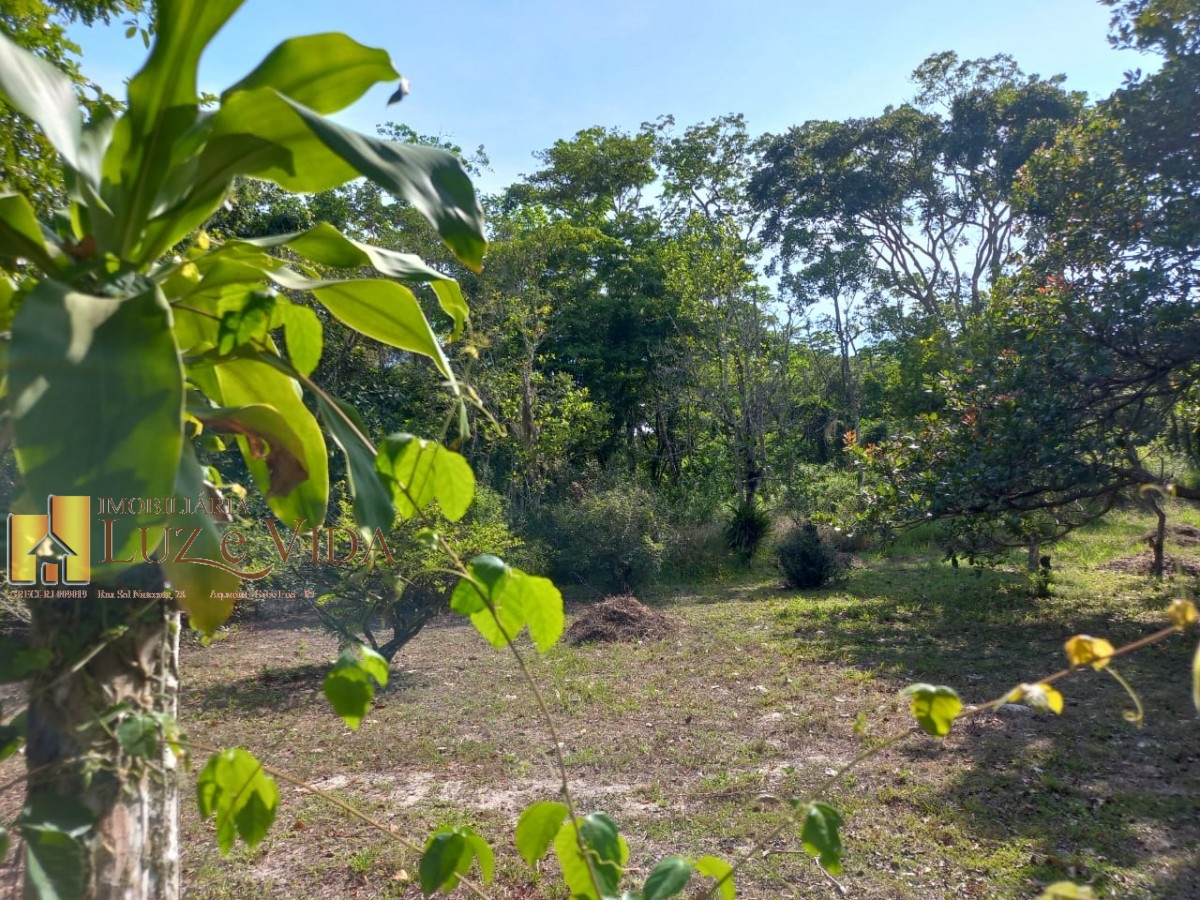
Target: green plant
608, 539
747, 527
805, 559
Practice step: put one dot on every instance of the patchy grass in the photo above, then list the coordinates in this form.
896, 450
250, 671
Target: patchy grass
694, 743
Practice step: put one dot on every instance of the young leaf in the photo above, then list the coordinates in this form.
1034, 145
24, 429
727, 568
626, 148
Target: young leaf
234, 787
820, 837
716, 868
934, 707
667, 879
486, 573
1084, 650
607, 854
348, 685
325, 72
441, 864
1182, 613
421, 471
537, 827
1041, 697
542, 607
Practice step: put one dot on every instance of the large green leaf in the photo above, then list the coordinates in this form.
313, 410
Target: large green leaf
22, 236
43, 93
96, 391
432, 180
935, 707
716, 868
234, 787
419, 472
607, 854
820, 837
383, 310
325, 72
163, 107
667, 879
252, 381
348, 685
327, 246
537, 827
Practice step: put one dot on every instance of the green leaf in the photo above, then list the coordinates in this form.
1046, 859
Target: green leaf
269, 438
481, 850
667, 879
248, 322
204, 592
22, 236
485, 572
349, 687
372, 497
432, 180
450, 298
96, 390
252, 381
44, 94
304, 336
325, 72
716, 868
934, 707
383, 310
234, 787
3, 843
138, 734
420, 471
12, 736
439, 866
51, 826
606, 849
537, 827
18, 662
820, 837
542, 605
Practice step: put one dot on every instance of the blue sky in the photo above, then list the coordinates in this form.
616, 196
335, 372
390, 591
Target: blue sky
516, 76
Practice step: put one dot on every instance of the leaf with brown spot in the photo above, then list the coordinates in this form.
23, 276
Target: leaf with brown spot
269, 438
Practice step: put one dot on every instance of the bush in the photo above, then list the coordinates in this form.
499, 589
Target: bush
746, 528
608, 540
695, 552
805, 559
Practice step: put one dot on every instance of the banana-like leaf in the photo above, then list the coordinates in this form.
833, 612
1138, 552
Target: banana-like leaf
383, 310
96, 391
325, 245
43, 93
372, 500
432, 180
325, 72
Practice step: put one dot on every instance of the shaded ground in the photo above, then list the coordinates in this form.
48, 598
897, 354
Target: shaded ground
1143, 564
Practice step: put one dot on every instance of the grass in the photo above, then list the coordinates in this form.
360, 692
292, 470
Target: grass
694, 743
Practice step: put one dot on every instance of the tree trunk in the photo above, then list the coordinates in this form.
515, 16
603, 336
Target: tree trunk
112, 658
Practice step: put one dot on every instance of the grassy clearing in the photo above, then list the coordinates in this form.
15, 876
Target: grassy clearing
692, 742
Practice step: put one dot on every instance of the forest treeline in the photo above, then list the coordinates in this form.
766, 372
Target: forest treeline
977, 307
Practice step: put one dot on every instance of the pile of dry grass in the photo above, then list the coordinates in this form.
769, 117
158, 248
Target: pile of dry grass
621, 619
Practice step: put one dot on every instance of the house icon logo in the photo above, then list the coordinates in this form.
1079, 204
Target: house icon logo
52, 549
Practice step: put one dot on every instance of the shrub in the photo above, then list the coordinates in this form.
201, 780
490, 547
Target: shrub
746, 528
695, 552
608, 539
805, 559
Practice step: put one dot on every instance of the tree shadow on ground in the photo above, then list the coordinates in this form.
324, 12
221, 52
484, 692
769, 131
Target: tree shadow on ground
289, 687
1087, 792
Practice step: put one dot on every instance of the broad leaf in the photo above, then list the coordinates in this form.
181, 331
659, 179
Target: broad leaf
820, 837
269, 438
537, 827
667, 879
349, 687
234, 788
325, 72
432, 180
247, 382
542, 605
934, 707
442, 863
420, 471
51, 826
486, 577
304, 337
606, 851
96, 390
44, 94
716, 868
